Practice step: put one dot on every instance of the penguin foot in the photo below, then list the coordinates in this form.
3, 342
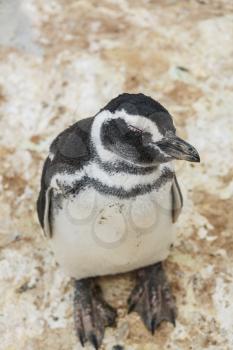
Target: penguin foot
151, 298
92, 314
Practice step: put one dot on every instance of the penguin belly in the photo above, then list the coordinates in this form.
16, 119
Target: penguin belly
96, 234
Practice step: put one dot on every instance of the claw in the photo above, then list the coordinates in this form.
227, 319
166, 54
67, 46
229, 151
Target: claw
94, 341
81, 336
153, 325
173, 318
81, 339
131, 307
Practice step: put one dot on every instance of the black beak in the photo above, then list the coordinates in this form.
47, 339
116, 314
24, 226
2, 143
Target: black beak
177, 148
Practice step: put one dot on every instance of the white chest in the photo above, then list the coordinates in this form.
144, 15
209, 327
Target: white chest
95, 234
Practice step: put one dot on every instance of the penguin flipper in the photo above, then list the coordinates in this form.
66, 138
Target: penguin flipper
43, 210
177, 200
68, 152
44, 202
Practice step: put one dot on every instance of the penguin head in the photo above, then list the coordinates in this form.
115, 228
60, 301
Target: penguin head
139, 130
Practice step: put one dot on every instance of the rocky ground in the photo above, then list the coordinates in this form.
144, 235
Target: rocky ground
61, 61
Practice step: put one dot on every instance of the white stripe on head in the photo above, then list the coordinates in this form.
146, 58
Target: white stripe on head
136, 121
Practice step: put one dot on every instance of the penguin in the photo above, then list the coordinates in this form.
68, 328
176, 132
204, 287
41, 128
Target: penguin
108, 202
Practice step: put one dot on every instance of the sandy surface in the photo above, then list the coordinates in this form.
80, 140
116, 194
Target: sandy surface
61, 61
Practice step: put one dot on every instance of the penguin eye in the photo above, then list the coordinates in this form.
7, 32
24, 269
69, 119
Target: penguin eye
134, 128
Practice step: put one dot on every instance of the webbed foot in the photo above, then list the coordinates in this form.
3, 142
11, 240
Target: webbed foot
92, 314
151, 298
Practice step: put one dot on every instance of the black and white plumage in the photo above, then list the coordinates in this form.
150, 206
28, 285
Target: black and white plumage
109, 195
